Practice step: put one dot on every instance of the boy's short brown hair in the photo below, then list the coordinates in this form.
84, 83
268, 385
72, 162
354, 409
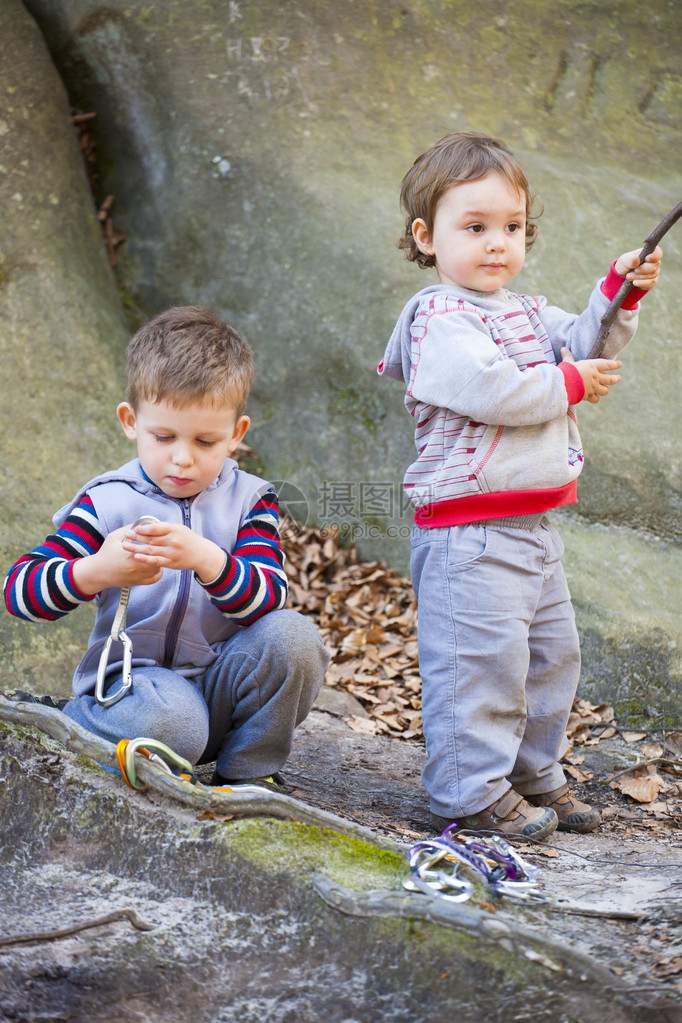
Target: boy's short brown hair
185, 356
458, 157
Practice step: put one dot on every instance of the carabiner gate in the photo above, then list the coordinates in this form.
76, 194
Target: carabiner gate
127, 681
157, 753
118, 633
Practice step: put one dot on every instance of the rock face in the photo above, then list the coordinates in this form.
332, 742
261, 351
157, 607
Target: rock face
233, 922
62, 333
255, 152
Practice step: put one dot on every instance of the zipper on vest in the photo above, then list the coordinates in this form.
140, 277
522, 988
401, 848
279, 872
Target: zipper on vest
173, 630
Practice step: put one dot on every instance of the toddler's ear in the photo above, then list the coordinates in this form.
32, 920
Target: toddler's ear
421, 235
127, 419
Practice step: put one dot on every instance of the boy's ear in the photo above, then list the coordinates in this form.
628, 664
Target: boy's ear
126, 417
422, 238
240, 429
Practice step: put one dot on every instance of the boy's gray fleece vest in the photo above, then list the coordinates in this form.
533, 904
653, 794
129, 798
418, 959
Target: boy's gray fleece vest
172, 623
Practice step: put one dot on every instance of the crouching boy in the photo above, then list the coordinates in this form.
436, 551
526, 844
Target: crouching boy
219, 671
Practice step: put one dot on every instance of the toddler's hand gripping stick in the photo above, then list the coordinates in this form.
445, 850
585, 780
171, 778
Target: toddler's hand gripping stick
650, 244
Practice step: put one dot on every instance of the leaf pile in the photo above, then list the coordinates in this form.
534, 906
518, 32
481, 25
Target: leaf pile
653, 781
367, 616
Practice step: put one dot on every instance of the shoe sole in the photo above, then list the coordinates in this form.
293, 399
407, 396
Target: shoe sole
581, 828
537, 830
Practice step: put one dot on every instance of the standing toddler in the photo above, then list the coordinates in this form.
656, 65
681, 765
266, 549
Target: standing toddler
492, 382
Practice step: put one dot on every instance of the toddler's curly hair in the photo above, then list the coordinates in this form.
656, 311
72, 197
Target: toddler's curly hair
458, 157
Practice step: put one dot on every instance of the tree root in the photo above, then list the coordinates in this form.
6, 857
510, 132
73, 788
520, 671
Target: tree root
252, 802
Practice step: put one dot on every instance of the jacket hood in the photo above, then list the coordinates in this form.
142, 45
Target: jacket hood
397, 360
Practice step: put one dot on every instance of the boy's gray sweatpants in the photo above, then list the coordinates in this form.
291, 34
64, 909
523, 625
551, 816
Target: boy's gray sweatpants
499, 659
241, 712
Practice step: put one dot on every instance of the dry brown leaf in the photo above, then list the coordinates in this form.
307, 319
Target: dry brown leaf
642, 784
375, 634
669, 967
651, 750
577, 774
585, 720
581, 734
673, 743
354, 641
659, 810
358, 724
573, 757
634, 736
549, 852
604, 712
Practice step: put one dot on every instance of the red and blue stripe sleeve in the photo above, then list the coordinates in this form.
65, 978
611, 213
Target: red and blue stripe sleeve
40, 586
253, 581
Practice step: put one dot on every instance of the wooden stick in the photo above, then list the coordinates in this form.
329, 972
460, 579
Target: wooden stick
636, 767
64, 932
609, 316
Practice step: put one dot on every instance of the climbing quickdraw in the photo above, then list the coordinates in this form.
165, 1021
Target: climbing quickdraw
118, 634
172, 763
495, 860
445, 881
157, 753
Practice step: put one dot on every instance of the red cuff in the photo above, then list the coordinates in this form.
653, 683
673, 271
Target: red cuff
72, 582
575, 388
611, 285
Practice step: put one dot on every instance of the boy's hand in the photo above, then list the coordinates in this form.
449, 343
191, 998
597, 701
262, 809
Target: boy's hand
167, 545
112, 565
596, 374
644, 276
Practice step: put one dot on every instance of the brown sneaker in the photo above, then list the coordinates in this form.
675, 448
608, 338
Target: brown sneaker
573, 815
510, 815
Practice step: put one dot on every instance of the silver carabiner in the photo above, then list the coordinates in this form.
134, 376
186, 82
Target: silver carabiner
458, 889
424, 877
127, 678
518, 890
119, 634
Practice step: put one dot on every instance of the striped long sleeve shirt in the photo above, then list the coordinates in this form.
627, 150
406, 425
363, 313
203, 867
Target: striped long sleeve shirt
40, 584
